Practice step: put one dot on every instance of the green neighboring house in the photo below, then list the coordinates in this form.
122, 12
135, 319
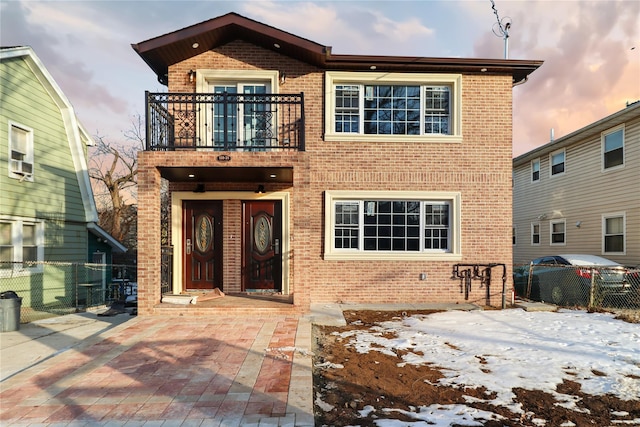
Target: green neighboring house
48, 216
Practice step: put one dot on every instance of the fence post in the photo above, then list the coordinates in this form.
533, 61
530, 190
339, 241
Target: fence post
592, 288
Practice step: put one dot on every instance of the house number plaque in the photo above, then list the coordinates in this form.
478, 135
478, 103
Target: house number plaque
224, 158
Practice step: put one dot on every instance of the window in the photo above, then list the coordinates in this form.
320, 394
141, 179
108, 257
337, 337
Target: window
247, 120
513, 236
556, 159
535, 234
392, 225
535, 170
613, 239
396, 106
557, 229
613, 148
21, 244
20, 152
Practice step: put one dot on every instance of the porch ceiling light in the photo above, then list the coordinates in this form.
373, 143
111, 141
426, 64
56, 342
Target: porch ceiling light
195, 45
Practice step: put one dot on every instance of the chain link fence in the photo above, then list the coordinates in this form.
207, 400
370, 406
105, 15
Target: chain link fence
51, 289
592, 287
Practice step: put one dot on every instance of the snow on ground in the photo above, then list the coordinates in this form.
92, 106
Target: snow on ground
504, 349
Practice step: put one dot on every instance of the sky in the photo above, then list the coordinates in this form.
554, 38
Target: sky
503, 349
590, 49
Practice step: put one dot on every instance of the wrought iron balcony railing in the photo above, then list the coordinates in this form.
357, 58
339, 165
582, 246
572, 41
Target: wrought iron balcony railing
224, 121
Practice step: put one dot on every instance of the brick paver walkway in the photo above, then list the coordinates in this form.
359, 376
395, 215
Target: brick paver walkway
154, 371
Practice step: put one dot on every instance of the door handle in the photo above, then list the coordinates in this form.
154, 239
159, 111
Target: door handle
276, 246
188, 246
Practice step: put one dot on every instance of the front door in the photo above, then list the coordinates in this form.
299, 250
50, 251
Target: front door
262, 254
202, 244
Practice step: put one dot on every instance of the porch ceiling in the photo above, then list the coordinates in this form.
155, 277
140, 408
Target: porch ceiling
228, 174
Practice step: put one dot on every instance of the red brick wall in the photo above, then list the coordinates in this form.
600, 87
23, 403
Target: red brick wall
479, 168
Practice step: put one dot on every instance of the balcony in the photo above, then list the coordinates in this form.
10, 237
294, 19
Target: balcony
224, 122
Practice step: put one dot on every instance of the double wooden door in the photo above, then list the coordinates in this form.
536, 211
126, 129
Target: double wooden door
261, 245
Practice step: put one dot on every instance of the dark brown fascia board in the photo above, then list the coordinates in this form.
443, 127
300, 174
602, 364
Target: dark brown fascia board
233, 22
160, 52
519, 69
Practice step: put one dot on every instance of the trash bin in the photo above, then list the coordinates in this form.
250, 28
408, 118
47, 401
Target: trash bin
10, 304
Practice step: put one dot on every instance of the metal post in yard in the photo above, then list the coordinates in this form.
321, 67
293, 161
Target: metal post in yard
529, 280
592, 288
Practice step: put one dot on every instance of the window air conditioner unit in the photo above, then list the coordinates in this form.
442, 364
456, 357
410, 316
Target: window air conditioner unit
21, 167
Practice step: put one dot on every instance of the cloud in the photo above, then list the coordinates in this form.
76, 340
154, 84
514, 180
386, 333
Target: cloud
589, 71
348, 27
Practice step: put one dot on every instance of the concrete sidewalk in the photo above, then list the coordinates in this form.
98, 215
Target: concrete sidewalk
223, 370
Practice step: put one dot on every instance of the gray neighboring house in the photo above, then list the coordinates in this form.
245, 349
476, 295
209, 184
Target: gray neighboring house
581, 193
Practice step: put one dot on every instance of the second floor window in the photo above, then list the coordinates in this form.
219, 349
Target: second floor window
392, 109
613, 149
557, 162
20, 152
369, 106
535, 170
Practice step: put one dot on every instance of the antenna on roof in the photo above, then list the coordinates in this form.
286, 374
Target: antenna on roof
501, 29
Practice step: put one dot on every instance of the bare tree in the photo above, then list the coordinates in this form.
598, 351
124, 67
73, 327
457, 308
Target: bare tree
113, 168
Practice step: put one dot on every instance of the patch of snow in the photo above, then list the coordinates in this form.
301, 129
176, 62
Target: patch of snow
504, 349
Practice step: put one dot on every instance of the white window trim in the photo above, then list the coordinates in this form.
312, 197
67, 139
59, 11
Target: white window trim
454, 198
539, 170
533, 224
564, 170
624, 231
557, 221
205, 77
29, 157
16, 240
337, 77
602, 148
177, 197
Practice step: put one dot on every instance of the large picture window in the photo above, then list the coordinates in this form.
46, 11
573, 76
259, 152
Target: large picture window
395, 106
380, 225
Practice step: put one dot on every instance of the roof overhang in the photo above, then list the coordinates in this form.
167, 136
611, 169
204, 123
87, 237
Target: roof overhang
97, 231
163, 51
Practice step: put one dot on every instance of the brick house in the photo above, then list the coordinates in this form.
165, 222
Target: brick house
320, 177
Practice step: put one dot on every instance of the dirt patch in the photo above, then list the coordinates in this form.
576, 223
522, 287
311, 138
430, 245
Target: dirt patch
352, 388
